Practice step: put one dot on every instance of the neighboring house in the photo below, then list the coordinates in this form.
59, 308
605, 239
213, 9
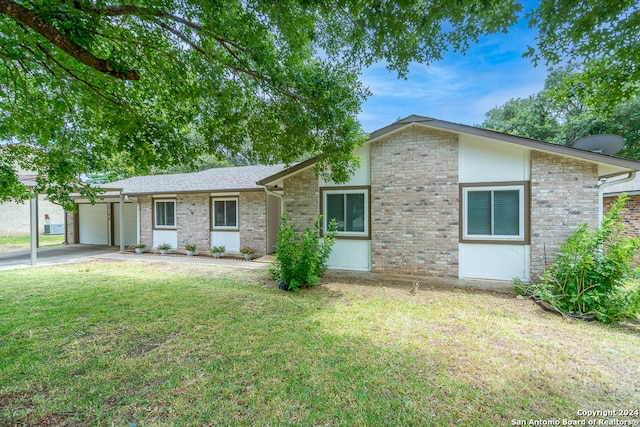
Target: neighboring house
15, 218
215, 207
443, 200
631, 213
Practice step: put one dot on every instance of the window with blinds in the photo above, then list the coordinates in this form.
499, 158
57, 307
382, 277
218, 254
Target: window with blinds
493, 213
165, 213
225, 213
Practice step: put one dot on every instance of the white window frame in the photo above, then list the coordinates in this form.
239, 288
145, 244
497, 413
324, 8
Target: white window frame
155, 213
494, 237
213, 213
325, 219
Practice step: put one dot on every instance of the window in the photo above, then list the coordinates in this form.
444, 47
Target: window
225, 213
494, 212
165, 213
350, 209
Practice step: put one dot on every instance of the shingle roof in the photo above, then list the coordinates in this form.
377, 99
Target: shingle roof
240, 178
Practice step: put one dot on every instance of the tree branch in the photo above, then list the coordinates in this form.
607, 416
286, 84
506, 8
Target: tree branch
121, 10
233, 67
51, 33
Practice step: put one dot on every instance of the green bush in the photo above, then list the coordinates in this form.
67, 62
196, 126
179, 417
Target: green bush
593, 272
301, 258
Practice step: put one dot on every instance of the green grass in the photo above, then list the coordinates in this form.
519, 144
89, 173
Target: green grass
108, 343
19, 243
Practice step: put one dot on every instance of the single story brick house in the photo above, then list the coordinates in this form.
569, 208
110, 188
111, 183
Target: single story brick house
430, 199
215, 207
455, 202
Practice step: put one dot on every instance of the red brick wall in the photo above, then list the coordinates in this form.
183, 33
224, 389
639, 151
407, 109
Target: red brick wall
631, 213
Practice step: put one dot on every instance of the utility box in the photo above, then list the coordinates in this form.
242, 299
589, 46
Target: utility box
54, 229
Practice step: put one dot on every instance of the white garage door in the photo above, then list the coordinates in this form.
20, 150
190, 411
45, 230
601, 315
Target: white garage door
130, 224
94, 228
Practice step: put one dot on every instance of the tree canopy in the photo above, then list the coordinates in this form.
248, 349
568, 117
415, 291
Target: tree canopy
600, 40
544, 117
95, 86
88, 84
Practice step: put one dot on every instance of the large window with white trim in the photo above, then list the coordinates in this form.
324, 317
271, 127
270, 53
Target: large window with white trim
165, 213
225, 213
350, 209
494, 213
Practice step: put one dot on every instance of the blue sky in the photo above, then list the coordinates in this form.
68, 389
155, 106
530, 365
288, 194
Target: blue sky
459, 89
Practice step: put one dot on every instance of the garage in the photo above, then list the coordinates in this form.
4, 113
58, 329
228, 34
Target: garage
93, 224
130, 224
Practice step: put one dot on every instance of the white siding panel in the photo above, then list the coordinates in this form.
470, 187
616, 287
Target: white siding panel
93, 224
361, 175
229, 239
165, 236
483, 160
350, 255
130, 224
494, 262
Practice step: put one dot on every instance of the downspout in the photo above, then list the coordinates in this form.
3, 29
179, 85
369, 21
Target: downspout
605, 184
279, 196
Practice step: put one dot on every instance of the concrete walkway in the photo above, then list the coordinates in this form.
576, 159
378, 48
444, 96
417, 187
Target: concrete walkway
69, 254
226, 260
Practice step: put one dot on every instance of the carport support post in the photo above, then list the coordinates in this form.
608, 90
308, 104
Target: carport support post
34, 229
121, 231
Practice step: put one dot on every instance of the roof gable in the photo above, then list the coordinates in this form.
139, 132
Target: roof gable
624, 165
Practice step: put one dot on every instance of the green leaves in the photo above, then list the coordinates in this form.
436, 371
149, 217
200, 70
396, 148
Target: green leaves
591, 272
599, 39
266, 82
302, 257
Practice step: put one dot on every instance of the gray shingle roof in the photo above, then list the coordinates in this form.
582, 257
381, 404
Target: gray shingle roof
240, 178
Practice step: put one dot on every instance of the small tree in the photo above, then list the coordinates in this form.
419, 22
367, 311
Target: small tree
302, 257
593, 271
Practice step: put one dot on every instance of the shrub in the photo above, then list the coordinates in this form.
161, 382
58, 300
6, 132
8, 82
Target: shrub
164, 247
218, 249
301, 258
191, 248
592, 272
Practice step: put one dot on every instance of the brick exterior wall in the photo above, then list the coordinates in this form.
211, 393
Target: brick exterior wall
301, 199
193, 221
146, 220
252, 217
414, 206
71, 235
630, 214
564, 194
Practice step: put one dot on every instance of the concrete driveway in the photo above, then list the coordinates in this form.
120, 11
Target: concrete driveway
68, 254
54, 255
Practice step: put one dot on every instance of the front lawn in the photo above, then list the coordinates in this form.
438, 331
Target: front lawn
21, 243
112, 343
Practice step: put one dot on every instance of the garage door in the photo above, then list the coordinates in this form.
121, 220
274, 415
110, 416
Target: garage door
130, 224
94, 228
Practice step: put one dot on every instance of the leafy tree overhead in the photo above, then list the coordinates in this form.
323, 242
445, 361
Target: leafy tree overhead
92, 86
600, 39
541, 116
83, 82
